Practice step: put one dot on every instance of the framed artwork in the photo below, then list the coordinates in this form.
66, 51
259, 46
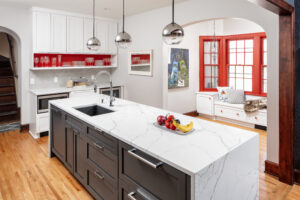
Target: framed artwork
178, 68
140, 63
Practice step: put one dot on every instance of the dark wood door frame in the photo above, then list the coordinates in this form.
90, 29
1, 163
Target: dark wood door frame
286, 14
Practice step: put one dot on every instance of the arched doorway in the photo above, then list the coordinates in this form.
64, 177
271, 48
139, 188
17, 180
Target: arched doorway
9, 81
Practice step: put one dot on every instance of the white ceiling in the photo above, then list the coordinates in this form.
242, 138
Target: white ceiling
104, 8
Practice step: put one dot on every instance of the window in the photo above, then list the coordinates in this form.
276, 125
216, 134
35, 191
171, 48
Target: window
239, 61
240, 64
264, 67
211, 64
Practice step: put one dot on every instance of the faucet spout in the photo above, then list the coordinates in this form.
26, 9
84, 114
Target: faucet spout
111, 98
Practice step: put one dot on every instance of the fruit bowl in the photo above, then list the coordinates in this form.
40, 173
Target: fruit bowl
173, 131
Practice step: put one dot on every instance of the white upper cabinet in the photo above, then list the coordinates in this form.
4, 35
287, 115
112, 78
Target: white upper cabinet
112, 33
41, 32
75, 34
59, 33
102, 35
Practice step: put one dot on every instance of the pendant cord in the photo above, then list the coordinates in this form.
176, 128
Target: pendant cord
93, 18
123, 17
173, 18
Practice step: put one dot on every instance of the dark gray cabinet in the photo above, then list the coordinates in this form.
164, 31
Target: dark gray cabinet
58, 137
162, 180
110, 169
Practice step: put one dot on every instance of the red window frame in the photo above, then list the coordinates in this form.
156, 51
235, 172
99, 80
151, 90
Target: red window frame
257, 75
263, 66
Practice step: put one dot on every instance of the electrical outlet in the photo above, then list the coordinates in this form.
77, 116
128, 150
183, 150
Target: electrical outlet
55, 80
32, 81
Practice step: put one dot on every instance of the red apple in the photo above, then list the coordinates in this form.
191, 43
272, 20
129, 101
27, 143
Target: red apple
161, 120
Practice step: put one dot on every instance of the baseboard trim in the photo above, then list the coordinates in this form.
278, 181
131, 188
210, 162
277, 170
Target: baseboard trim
24, 128
192, 113
272, 168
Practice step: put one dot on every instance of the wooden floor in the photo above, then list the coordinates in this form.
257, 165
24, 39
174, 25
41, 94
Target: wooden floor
26, 172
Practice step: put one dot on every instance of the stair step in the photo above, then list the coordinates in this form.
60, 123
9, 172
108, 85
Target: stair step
8, 103
6, 85
8, 99
8, 94
8, 108
8, 113
5, 90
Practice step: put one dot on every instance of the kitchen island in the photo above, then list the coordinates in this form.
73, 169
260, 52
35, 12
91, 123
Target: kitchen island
122, 155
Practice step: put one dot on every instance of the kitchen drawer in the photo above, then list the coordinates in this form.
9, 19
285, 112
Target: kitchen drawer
160, 179
100, 184
230, 113
257, 118
205, 104
43, 122
128, 190
108, 141
98, 155
75, 124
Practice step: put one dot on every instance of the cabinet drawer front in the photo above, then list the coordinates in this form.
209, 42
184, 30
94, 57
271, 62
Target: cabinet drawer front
108, 141
100, 185
44, 124
257, 118
230, 113
128, 190
165, 182
98, 155
205, 105
75, 124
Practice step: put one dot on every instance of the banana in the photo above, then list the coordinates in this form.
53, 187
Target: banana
185, 128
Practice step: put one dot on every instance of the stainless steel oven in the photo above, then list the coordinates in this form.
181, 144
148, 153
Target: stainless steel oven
43, 101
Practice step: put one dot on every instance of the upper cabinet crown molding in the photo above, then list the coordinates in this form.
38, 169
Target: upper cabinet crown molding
63, 32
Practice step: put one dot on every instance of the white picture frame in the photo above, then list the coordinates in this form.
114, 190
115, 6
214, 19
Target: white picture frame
138, 66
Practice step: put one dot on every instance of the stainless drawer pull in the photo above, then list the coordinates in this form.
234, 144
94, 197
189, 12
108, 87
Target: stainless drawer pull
98, 146
130, 196
99, 175
153, 165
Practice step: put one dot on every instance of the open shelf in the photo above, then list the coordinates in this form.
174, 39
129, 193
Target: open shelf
71, 67
144, 64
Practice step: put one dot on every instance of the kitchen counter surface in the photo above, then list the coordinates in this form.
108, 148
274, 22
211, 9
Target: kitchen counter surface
46, 91
133, 123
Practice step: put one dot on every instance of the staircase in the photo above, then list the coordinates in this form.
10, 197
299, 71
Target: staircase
8, 101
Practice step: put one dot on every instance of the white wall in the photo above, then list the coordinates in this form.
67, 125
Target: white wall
17, 22
146, 28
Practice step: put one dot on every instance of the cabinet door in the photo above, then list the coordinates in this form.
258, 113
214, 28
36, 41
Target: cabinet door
88, 33
205, 105
58, 137
69, 161
59, 33
75, 34
41, 32
102, 35
80, 149
112, 33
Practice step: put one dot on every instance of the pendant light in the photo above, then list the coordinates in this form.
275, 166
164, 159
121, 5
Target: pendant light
93, 43
123, 39
173, 33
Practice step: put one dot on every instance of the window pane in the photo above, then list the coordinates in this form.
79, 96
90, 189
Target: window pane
265, 45
248, 70
214, 46
249, 59
248, 85
206, 59
215, 82
265, 86
232, 58
240, 44
215, 71
207, 82
249, 44
240, 69
208, 71
265, 73
265, 59
232, 82
232, 44
240, 58
239, 84
215, 59
206, 47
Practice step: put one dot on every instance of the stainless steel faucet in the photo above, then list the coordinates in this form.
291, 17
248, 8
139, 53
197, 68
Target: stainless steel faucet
111, 98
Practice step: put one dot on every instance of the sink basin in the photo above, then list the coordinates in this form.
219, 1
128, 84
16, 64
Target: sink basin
94, 110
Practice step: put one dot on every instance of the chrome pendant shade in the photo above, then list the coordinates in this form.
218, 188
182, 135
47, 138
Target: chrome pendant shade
123, 39
93, 43
173, 33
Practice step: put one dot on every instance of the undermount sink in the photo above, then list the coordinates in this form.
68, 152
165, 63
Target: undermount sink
94, 110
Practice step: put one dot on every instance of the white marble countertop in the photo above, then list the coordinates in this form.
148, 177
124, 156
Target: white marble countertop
58, 90
132, 123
